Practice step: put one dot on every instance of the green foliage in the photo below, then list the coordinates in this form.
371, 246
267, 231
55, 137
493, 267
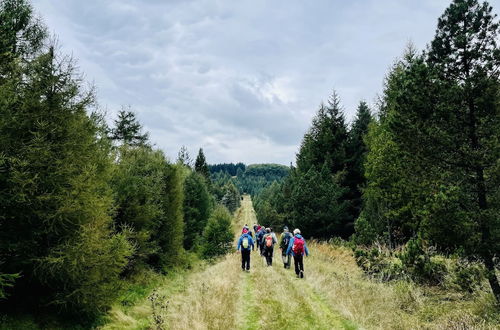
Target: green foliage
197, 206
417, 263
269, 205
218, 234
259, 176
230, 168
321, 216
435, 174
127, 130
170, 232
231, 198
86, 270
201, 166
7, 281
139, 188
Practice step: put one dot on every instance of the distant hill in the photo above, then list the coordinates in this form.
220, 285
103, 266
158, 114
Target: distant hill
250, 179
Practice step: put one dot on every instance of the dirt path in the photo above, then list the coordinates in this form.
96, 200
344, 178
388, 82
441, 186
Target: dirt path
224, 297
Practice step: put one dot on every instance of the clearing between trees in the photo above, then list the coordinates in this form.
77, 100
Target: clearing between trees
333, 295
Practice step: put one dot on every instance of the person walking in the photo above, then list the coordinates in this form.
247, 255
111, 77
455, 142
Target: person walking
245, 245
285, 238
297, 248
259, 237
268, 242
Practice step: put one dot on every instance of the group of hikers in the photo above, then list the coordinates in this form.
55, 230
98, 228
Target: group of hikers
265, 239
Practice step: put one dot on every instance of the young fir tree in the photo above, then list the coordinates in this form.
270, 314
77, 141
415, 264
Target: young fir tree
139, 187
197, 204
128, 130
54, 171
200, 165
231, 198
218, 234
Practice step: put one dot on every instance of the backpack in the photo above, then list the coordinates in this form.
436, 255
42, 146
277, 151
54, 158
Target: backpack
269, 241
245, 242
298, 246
286, 241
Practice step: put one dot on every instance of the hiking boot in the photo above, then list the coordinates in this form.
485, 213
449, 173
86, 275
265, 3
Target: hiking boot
301, 274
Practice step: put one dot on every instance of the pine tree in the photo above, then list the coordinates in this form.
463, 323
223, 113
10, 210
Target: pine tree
128, 130
200, 165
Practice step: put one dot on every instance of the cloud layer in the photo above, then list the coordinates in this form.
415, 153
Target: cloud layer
242, 79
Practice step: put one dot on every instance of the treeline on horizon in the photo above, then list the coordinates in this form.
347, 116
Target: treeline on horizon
84, 207
251, 179
420, 173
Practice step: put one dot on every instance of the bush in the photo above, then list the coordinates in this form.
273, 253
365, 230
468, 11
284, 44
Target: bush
218, 234
418, 264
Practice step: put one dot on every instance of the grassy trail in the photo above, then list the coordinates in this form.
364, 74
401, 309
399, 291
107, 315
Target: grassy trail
334, 295
267, 297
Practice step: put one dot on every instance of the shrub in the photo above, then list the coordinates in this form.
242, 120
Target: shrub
218, 234
417, 263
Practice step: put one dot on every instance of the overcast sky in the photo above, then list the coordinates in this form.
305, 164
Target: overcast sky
241, 79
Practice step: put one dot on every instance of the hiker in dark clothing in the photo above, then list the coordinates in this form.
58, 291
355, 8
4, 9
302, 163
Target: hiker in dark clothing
259, 236
245, 243
297, 248
268, 242
285, 238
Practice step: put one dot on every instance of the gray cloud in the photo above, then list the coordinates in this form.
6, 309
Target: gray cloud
242, 79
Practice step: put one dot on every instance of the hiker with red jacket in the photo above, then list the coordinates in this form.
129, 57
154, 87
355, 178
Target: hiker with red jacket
245, 243
297, 248
268, 242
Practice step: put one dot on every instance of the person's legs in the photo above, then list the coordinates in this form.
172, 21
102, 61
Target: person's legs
243, 259
245, 254
288, 261
270, 254
296, 264
300, 261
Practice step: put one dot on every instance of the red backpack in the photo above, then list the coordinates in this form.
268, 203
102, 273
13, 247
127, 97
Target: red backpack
298, 246
269, 241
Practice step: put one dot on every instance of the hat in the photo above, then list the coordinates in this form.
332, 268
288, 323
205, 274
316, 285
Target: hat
296, 231
285, 228
245, 230
268, 230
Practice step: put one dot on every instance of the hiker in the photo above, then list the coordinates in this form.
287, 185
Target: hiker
245, 227
268, 241
259, 236
297, 248
245, 243
285, 238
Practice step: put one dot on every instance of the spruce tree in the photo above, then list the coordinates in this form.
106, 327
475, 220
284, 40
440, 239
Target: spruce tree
356, 151
55, 223
201, 166
128, 130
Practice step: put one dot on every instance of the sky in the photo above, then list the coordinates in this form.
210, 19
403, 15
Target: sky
240, 79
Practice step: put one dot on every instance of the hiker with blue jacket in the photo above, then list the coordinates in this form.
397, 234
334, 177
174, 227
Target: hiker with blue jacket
245, 245
259, 237
297, 248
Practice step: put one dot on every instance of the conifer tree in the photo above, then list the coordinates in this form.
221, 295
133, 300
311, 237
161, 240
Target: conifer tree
128, 130
197, 204
201, 165
54, 171
356, 151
